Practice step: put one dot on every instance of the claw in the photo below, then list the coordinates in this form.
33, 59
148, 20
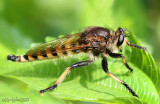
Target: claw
41, 94
129, 73
145, 50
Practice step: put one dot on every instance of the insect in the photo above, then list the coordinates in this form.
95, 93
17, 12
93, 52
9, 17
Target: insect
94, 41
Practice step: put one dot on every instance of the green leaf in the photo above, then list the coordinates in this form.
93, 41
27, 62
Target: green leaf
90, 83
19, 93
19, 27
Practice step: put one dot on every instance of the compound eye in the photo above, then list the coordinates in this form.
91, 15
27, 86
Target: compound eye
121, 30
120, 40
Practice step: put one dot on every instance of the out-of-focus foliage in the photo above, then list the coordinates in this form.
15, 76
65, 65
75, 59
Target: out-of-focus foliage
32, 20
23, 22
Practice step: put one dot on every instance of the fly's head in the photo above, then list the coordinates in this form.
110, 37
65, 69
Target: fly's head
120, 35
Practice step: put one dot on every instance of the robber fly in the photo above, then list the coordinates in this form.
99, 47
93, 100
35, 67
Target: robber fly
94, 40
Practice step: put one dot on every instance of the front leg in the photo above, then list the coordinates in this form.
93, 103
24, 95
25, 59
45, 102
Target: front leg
135, 46
117, 55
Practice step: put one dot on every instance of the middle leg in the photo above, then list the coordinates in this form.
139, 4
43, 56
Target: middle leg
117, 55
105, 68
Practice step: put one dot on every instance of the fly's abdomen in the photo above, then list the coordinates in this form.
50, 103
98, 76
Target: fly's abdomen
53, 49
48, 53
60, 50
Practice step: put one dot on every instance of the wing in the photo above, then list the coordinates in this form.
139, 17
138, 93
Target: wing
56, 44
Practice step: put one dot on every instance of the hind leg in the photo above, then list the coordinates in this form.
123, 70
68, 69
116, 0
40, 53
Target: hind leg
63, 75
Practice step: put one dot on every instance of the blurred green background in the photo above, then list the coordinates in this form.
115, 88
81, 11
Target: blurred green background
23, 22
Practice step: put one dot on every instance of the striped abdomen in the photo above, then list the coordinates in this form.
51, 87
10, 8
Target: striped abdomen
59, 50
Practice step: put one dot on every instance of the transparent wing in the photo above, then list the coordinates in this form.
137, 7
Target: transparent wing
58, 42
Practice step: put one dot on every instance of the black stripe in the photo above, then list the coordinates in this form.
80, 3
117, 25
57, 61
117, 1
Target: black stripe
54, 53
34, 56
43, 53
63, 48
25, 57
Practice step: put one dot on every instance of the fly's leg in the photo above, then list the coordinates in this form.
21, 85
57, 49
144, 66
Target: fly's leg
117, 55
105, 68
135, 46
63, 75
